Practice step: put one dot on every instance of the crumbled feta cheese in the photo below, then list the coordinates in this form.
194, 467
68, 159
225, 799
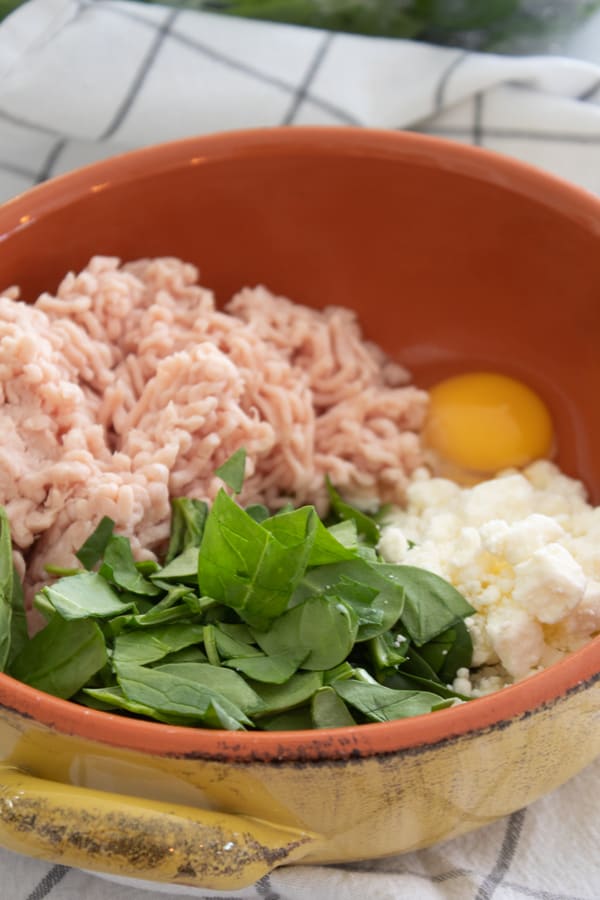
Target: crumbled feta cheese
517, 639
444, 526
523, 548
426, 556
393, 544
425, 493
467, 547
462, 683
549, 584
584, 620
483, 652
507, 497
517, 541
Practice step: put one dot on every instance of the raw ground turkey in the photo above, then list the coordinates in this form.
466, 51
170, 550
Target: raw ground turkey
129, 388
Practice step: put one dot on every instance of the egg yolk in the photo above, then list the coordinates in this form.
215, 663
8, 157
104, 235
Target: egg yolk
482, 422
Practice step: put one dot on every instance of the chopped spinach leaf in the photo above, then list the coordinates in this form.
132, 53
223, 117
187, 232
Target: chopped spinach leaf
253, 620
233, 470
92, 550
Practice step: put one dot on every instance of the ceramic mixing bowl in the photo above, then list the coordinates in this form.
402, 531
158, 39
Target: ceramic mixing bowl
454, 258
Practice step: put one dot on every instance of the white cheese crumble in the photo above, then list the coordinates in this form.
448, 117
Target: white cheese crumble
524, 550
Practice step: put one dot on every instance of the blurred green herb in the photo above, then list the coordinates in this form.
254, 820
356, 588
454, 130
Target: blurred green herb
475, 24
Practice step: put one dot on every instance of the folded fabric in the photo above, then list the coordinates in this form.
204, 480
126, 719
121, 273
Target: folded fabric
81, 80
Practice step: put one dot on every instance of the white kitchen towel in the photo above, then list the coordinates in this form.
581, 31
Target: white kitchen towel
81, 80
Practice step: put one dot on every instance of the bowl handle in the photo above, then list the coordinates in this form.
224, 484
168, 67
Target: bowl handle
139, 838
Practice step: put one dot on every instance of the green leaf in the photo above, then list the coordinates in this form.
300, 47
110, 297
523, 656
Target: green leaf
13, 621
224, 682
353, 582
291, 720
334, 544
62, 571
364, 524
210, 645
236, 630
383, 704
233, 470
258, 512
385, 654
18, 625
181, 568
81, 596
277, 698
328, 710
244, 566
188, 517
378, 18
229, 646
192, 653
324, 629
415, 664
450, 651
293, 529
465, 15
460, 654
62, 657
435, 651
180, 613
112, 697
150, 644
345, 533
119, 566
93, 549
402, 681
147, 567
168, 692
343, 671
169, 609
432, 605
272, 669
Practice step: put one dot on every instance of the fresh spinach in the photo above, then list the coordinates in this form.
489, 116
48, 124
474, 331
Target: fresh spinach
251, 620
188, 517
232, 471
432, 605
154, 643
85, 595
13, 624
365, 525
92, 550
328, 710
62, 657
118, 567
244, 565
383, 704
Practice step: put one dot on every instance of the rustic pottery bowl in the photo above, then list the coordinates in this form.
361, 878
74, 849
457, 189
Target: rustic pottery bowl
454, 258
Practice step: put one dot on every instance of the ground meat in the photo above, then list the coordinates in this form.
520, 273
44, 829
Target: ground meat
129, 387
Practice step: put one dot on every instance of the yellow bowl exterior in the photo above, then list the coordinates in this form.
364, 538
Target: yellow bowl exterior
334, 810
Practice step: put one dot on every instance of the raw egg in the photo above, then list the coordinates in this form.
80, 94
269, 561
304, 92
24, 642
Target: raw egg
481, 422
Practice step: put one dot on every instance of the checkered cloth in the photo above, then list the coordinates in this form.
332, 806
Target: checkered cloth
81, 80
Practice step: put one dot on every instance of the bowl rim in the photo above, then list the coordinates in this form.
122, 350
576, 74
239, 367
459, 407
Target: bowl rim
308, 140
577, 671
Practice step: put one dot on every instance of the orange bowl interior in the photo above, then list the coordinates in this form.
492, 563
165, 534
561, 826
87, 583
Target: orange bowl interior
453, 258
